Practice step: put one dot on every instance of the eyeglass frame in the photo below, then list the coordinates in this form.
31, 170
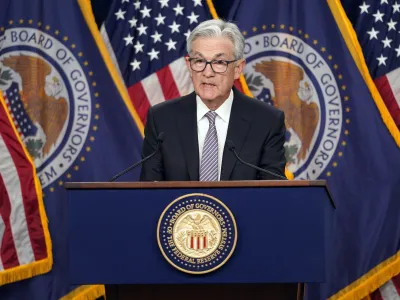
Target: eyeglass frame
209, 62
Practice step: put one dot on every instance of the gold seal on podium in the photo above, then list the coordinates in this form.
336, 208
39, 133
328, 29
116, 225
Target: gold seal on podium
197, 233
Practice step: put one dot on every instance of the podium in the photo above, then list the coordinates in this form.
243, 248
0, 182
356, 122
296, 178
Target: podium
283, 238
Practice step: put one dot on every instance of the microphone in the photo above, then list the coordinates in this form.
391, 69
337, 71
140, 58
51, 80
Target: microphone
231, 147
160, 139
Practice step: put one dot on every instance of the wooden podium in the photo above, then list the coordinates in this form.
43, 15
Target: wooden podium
284, 230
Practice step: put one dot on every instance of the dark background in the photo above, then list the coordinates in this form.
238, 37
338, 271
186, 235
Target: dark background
100, 8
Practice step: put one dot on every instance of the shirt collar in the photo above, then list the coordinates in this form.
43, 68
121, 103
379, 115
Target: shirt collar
223, 111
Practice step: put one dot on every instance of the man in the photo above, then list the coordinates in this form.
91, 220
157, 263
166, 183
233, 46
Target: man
196, 127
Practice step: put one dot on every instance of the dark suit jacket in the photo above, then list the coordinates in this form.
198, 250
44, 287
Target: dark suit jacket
256, 129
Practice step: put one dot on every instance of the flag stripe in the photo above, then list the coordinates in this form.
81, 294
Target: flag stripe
383, 85
19, 227
396, 282
2, 224
152, 88
393, 78
30, 208
167, 83
388, 291
8, 253
181, 76
139, 100
394, 81
376, 295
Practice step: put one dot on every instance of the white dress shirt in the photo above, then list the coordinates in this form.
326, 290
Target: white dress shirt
221, 124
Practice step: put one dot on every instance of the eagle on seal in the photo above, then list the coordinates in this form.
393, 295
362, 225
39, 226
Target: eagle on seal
197, 223
47, 110
301, 116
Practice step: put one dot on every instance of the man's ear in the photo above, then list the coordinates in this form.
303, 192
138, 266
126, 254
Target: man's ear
188, 65
239, 67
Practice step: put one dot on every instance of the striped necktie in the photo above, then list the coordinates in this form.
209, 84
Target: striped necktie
209, 159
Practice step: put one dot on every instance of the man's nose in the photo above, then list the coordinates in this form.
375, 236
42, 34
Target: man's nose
208, 71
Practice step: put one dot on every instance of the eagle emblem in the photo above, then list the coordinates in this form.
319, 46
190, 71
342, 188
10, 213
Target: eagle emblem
301, 115
39, 96
197, 234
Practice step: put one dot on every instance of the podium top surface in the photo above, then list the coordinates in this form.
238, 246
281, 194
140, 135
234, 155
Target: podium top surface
200, 184
195, 184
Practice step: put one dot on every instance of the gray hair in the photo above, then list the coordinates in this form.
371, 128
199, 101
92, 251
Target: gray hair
218, 28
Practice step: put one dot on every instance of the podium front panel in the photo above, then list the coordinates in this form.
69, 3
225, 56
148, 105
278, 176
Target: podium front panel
283, 234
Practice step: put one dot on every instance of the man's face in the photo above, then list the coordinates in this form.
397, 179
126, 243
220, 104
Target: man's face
211, 86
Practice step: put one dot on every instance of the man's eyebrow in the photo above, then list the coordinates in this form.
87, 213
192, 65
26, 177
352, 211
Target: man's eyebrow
197, 54
218, 55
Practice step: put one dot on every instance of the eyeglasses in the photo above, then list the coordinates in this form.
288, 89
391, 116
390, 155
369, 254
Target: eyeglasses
218, 66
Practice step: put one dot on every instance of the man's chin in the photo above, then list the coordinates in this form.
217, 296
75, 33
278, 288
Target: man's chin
206, 95
208, 98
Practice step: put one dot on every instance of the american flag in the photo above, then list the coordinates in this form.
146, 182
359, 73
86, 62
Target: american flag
389, 291
148, 42
377, 25
25, 245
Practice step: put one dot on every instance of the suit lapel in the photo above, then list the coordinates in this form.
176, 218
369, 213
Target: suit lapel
187, 127
239, 124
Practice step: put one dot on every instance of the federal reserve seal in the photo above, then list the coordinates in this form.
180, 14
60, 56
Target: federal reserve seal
197, 233
291, 71
49, 91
